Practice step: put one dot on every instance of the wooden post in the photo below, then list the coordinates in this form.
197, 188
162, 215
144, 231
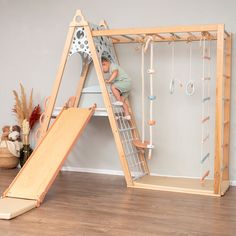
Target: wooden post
83, 77
108, 105
226, 142
219, 109
56, 86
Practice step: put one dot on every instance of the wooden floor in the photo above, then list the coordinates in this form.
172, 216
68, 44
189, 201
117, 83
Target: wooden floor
92, 204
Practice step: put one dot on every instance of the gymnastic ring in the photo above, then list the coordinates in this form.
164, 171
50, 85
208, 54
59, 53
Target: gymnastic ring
172, 86
190, 88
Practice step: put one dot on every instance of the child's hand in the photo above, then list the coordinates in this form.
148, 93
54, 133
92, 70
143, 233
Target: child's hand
108, 82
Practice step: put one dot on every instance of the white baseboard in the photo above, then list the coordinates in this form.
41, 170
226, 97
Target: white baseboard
119, 172
95, 171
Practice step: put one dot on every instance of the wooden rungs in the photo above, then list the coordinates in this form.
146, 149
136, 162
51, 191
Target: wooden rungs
175, 36
227, 53
204, 176
226, 76
207, 57
127, 129
207, 35
225, 145
226, 122
115, 39
205, 157
226, 99
160, 36
206, 119
206, 78
223, 168
206, 138
206, 99
128, 37
192, 36
132, 153
140, 144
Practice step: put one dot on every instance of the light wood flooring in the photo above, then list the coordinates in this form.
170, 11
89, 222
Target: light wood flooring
92, 204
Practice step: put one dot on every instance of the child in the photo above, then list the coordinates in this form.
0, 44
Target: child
120, 84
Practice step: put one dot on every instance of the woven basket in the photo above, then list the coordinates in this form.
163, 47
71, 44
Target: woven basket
7, 160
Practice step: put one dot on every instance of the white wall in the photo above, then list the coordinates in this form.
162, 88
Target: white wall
32, 39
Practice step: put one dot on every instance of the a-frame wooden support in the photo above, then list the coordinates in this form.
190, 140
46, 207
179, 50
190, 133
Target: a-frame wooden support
76, 99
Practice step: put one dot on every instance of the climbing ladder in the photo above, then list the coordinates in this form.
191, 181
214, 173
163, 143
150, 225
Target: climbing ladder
128, 133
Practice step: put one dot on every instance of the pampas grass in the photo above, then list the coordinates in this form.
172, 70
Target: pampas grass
22, 108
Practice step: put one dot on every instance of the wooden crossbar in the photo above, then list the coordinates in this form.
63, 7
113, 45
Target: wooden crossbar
138, 31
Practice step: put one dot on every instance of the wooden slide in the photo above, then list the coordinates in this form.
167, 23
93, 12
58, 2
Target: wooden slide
30, 186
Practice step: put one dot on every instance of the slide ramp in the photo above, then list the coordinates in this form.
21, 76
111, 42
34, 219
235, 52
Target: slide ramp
39, 172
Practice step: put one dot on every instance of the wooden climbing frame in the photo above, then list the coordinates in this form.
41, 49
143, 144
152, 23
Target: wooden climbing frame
217, 32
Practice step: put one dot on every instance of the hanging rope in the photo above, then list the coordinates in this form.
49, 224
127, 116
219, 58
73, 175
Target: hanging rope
151, 97
172, 82
173, 79
151, 71
190, 86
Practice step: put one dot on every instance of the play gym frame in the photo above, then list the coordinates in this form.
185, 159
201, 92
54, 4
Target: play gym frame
220, 184
217, 32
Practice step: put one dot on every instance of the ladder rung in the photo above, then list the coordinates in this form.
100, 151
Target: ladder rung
128, 140
128, 37
138, 177
139, 163
223, 168
226, 99
160, 36
204, 176
205, 157
225, 145
114, 38
126, 129
207, 58
132, 153
206, 78
206, 99
206, 138
226, 122
226, 76
206, 119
